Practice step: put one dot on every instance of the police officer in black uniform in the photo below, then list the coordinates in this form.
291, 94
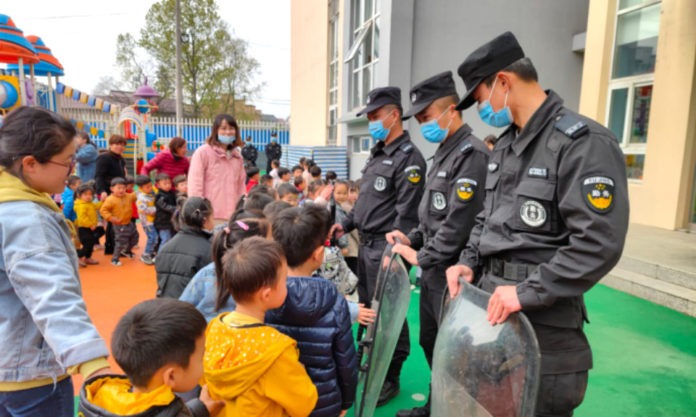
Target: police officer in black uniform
555, 215
452, 199
273, 151
390, 191
249, 153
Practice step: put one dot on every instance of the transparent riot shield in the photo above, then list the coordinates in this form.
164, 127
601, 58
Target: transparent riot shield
391, 299
481, 370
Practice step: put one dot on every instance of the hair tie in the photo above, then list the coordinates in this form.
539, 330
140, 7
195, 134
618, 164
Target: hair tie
243, 225
227, 230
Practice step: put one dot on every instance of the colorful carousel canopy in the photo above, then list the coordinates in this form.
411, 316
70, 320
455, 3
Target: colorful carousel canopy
13, 45
48, 63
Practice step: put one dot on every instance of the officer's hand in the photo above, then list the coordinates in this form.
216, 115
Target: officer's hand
502, 303
337, 231
410, 255
398, 234
453, 274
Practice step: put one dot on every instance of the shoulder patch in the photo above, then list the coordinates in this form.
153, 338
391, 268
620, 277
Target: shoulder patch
598, 193
571, 125
413, 174
466, 148
406, 147
466, 188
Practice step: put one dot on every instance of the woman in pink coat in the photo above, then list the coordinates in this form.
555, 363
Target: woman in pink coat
172, 161
217, 168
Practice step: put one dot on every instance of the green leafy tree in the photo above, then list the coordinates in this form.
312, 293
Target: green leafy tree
216, 67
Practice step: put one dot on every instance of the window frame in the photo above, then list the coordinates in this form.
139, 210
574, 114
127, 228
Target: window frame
630, 83
368, 23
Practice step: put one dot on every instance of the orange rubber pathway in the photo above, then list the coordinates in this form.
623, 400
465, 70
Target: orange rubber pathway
110, 291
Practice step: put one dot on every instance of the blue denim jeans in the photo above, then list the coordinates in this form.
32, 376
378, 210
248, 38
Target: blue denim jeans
50, 400
151, 234
164, 236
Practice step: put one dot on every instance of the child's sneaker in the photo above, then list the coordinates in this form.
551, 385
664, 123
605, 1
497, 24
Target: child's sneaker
116, 262
147, 260
129, 254
91, 261
81, 262
98, 247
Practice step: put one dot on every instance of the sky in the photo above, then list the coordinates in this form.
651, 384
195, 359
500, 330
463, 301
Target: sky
82, 35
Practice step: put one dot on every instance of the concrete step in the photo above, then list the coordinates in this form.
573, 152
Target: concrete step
668, 294
682, 278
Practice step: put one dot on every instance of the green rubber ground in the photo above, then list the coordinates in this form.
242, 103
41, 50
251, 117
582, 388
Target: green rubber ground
644, 360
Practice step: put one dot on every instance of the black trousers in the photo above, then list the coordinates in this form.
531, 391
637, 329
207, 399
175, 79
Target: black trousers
88, 238
369, 261
109, 240
433, 288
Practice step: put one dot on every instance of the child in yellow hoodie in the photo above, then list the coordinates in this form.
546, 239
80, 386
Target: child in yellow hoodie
87, 221
254, 368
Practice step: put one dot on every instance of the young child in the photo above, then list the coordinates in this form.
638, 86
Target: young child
118, 210
297, 171
300, 184
253, 176
188, 251
275, 164
318, 192
315, 313
130, 189
159, 344
315, 172
87, 224
288, 193
266, 180
146, 211
343, 207
181, 185
68, 197
353, 191
331, 176
253, 367
165, 203
283, 176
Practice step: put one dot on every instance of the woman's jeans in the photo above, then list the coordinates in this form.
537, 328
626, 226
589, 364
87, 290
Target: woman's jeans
50, 400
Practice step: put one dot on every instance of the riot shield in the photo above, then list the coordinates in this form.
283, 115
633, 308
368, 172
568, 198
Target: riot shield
391, 299
481, 370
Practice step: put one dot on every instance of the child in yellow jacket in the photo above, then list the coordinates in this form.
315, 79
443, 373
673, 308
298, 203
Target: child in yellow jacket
254, 368
87, 223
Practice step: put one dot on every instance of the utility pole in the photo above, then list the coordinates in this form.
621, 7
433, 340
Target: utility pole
179, 91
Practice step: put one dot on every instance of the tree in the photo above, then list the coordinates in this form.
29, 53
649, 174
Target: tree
105, 85
214, 63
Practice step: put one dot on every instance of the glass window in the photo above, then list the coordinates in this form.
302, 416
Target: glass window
625, 4
634, 166
642, 97
617, 112
364, 51
365, 144
636, 42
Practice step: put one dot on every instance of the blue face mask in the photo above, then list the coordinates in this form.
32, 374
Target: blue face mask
500, 118
226, 140
432, 132
377, 129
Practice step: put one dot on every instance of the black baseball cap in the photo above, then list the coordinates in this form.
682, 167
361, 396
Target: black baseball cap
486, 61
380, 97
425, 92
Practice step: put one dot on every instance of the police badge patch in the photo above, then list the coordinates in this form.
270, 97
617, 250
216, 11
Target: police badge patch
413, 174
466, 187
598, 193
439, 201
533, 213
380, 184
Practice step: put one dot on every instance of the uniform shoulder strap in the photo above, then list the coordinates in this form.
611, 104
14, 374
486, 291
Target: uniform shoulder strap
406, 147
571, 125
466, 148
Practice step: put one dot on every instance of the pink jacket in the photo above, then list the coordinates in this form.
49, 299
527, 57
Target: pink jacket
218, 176
166, 163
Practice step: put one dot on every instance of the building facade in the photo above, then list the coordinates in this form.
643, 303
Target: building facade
341, 49
639, 79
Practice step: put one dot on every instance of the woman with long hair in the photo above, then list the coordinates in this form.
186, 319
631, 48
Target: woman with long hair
171, 161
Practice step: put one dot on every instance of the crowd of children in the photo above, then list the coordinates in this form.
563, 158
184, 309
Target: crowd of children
278, 298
